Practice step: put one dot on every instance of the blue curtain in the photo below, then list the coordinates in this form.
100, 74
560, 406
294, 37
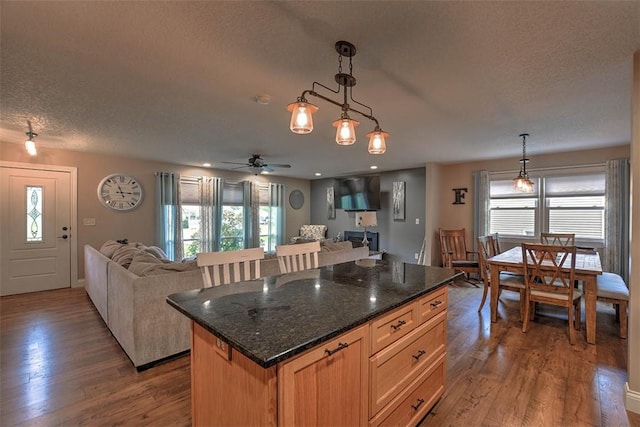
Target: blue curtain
168, 214
480, 205
251, 203
210, 213
617, 214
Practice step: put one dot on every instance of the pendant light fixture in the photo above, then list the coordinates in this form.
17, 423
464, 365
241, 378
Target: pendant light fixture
522, 182
30, 143
302, 111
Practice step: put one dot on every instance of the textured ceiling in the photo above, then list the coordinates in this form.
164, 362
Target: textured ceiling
450, 81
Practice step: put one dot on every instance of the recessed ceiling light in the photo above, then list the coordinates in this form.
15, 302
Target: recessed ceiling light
263, 99
317, 174
206, 165
373, 167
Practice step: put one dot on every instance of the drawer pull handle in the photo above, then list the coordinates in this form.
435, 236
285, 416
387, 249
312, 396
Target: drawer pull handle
419, 355
436, 303
341, 346
417, 405
398, 325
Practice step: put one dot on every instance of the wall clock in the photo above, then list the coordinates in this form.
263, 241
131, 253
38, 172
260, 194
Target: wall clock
120, 192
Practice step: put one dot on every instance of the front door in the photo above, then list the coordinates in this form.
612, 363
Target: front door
35, 219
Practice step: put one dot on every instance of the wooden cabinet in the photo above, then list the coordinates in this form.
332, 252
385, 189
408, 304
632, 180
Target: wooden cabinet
389, 371
407, 367
327, 385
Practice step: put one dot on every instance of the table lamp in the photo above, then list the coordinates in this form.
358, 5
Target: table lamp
366, 219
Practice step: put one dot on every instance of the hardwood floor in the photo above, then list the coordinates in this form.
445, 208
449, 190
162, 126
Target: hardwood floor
60, 366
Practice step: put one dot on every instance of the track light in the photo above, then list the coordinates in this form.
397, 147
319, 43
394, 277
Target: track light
30, 143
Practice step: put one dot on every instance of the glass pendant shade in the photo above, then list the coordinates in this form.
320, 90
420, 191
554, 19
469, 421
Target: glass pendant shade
301, 117
30, 146
346, 130
523, 184
377, 143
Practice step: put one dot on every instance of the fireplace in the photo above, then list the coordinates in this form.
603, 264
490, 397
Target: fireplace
355, 237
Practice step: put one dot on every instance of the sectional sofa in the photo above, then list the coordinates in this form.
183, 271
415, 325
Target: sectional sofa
128, 285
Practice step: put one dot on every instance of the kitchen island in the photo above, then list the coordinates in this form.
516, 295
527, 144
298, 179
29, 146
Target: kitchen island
358, 343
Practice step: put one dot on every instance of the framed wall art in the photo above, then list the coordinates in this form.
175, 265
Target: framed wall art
331, 207
398, 200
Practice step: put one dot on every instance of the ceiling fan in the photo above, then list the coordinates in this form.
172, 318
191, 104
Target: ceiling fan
256, 165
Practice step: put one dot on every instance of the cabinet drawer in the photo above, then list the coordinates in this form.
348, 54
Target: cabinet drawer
392, 326
432, 304
395, 367
415, 401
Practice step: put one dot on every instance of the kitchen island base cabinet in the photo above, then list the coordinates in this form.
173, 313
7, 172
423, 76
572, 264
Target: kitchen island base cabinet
328, 385
227, 388
388, 371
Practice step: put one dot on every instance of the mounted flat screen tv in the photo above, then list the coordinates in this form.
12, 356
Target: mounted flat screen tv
357, 193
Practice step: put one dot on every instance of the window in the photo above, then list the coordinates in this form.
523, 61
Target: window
234, 223
268, 219
34, 214
567, 203
232, 234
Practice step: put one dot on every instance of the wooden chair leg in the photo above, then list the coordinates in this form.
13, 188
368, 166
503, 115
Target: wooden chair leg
572, 338
484, 294
578, 320
623, 319
525, 323
523, 305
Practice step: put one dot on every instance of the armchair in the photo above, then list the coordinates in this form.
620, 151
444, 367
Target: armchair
310, 232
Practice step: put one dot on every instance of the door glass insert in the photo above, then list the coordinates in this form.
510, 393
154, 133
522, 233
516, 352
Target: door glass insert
34, 214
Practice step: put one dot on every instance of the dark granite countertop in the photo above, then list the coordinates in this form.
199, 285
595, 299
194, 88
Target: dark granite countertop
274, 318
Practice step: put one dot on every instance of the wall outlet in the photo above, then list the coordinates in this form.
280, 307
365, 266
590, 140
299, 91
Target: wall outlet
417, 221
89, 221
416, 255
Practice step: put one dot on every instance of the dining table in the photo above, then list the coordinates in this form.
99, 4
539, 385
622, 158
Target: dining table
588, 268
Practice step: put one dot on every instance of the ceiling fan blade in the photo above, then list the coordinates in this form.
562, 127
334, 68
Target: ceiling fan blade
267, 168
276, 165
236, 163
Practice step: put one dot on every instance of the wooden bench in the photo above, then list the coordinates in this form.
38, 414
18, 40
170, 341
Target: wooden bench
612, 289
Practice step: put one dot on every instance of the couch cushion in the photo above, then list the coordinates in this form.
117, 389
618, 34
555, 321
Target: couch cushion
328, 246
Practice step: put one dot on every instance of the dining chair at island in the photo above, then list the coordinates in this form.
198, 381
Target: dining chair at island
298, 257
512, 282
561, 239
219, 268
549, 275
453, 248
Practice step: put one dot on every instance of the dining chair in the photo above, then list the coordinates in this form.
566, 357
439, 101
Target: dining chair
453, 248
549, 272
298, 257
508, 281
219, 268
561, 239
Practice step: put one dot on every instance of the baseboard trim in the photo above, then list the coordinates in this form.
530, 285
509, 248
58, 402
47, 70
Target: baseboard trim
631, 399
79, 284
